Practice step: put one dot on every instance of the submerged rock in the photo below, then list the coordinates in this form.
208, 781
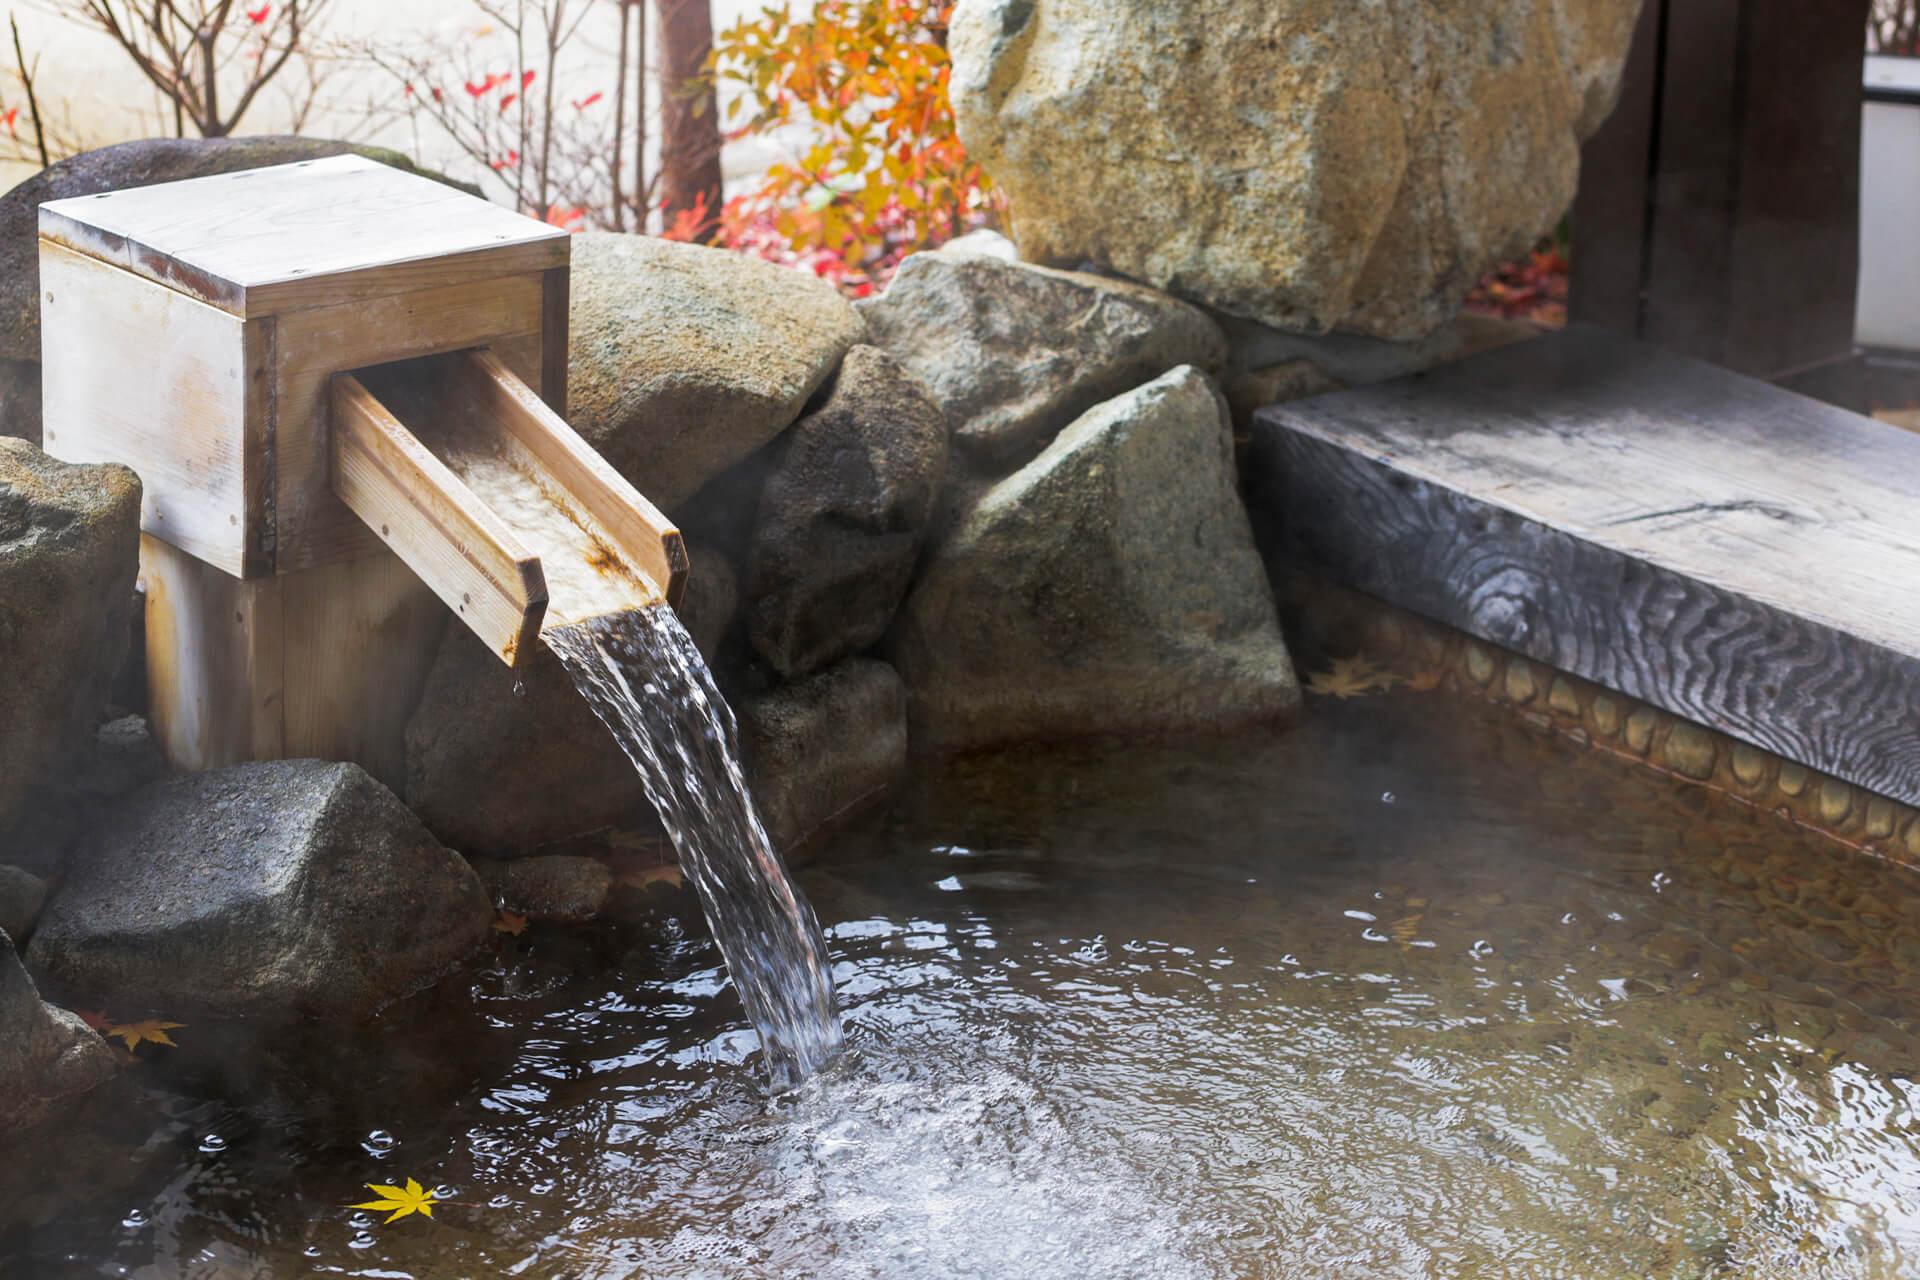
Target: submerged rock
1110, 585
69, 550
821, 747
843, 516
1310, 163
684, 359
46, 1053
1012, 353
129, 164
293, 886
561, 888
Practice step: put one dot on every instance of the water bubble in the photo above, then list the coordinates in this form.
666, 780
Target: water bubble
1661, 880
519, 688
443, 1192
500, 1202
541, 1188
1568, 918
135, 1219
1386, 797
213, 1144
312, 1251
1372, 934
1481, 949
379, 1142
360, 1221
363, 1240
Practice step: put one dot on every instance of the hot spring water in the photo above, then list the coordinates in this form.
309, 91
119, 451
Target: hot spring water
642, 676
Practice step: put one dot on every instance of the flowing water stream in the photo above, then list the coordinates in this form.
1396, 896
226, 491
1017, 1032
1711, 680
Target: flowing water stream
642, 676
639, 671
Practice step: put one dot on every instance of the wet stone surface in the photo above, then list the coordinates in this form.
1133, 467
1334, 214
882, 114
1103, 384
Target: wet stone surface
1411, 990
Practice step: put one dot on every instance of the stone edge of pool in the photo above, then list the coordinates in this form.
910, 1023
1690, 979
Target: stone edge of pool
1325, 618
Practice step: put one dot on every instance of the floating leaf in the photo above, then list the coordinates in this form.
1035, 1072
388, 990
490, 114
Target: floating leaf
510, 922
398, 1202
1423, 681
1351, 678
149, 1031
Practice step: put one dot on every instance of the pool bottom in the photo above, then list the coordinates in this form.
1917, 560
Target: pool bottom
1409, 990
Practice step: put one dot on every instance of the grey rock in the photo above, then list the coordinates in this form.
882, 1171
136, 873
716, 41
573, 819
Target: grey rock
685, 359
1012, 353
711, 602
46, 1054
986, 242
130, 164
1315, 164
121, 757
20, 399
1267, 365
501, 761
844, 515
559, 888
1109, 586
69, 549
21, 896
820, 748
289, 887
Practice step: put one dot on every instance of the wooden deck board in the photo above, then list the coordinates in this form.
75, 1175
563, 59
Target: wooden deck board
1734, 553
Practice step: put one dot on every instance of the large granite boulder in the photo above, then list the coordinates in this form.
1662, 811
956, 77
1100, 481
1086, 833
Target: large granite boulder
46, 1054
286, 887
820, 748
502, 761
129, 164
843, 516
1013, 352
685, 359
1310, 163
69, 550
1109, 586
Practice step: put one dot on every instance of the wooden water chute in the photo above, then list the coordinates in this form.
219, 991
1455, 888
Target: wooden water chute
324, 374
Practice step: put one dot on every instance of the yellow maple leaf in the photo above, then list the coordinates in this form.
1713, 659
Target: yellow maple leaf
508, 922
1350, 678
149, 1031
1423, 681
398, 1202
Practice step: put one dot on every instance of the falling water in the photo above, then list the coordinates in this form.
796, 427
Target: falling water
642, 676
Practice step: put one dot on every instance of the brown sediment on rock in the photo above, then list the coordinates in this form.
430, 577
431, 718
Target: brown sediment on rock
1333, 620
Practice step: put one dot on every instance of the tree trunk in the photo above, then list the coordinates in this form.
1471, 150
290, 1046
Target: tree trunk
689, 116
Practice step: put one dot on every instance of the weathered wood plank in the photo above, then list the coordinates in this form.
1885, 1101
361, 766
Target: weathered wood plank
311, 234
312, 346
601, 545
136, 373
461, 548
1728, 551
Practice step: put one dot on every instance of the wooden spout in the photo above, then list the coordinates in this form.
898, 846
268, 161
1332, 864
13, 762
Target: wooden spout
495, 502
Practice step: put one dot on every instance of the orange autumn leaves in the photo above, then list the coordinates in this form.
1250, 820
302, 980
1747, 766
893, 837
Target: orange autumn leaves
877, 170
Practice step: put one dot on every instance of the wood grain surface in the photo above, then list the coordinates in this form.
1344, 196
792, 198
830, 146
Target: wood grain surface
291, 237
1731, 552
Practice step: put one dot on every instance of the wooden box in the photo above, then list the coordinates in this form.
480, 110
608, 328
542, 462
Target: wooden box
189, 331
302, 544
